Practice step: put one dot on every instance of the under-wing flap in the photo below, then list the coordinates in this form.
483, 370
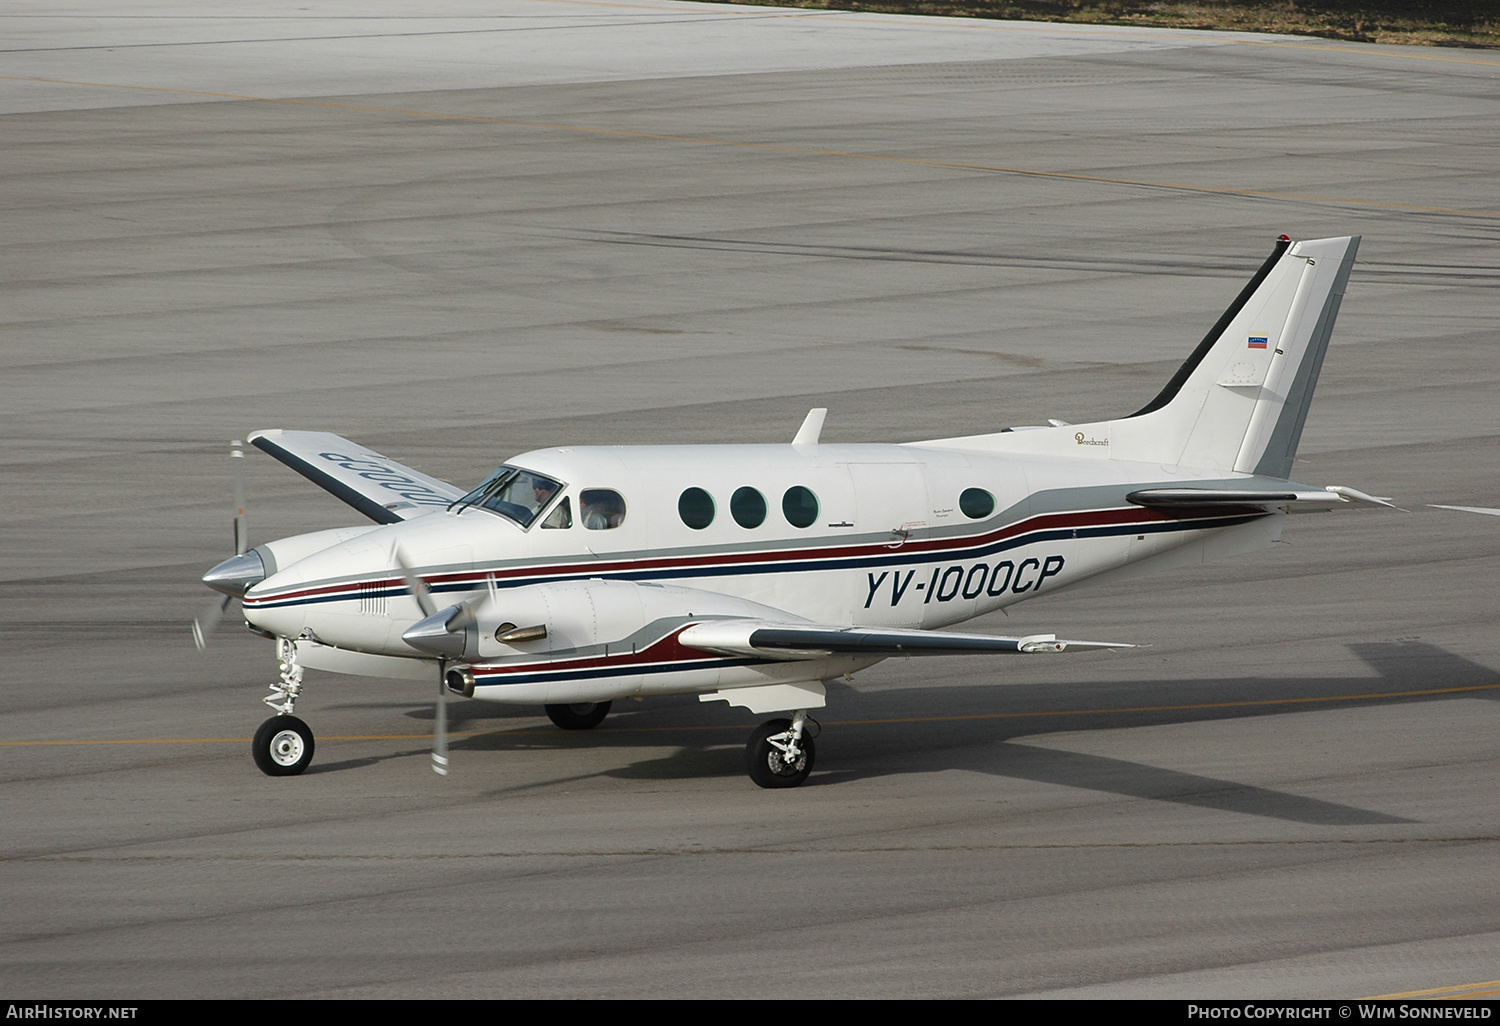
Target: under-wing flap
380, 488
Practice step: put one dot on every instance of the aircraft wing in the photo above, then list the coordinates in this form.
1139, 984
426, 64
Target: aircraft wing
816, 641
380, 488
1294, 499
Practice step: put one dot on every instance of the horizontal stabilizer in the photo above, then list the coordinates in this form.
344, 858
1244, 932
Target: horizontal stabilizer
380, 488
1198, 498
815, 641
1290, 501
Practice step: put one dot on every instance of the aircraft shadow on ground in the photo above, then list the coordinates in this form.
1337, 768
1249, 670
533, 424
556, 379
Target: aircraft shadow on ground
1137, 780
897, 731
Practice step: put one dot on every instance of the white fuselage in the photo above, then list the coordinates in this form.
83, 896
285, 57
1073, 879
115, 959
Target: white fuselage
903, 536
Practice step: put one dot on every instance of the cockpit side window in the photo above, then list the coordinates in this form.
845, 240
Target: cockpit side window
601, 509
561, 516
513, 493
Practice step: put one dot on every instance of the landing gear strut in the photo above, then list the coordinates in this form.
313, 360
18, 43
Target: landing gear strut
579, 715
283, 745
781, 753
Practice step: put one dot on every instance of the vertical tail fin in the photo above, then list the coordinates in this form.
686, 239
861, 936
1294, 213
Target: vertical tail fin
1168, 393
1240, 401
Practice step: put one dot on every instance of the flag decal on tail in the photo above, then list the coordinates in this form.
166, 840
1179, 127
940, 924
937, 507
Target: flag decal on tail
1258, 341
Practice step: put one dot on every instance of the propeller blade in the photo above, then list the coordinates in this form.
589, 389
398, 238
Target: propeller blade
206, 621
416, 586
468, 609
467, 614
458, 622
241, 530
440, 728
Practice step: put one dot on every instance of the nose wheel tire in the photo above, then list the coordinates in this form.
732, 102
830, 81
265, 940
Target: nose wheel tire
283, 746
767, 760
579, 715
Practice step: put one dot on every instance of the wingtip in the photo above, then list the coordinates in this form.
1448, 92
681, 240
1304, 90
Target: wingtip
1363, 498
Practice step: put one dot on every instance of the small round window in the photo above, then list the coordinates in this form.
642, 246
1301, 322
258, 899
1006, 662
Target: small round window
799, 506
748, 507
976, 503
696, 508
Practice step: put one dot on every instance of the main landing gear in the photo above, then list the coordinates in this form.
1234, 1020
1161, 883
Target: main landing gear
579, 715
781, 753
283, 746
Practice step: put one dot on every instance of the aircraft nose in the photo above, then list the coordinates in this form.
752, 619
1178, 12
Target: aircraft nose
236, 575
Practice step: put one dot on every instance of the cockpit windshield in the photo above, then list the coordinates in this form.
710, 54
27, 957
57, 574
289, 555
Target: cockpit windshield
514, 493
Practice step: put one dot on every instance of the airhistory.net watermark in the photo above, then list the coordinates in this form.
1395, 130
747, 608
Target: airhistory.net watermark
44, 1010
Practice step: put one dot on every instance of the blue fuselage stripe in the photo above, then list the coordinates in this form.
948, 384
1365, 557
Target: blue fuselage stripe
354, 591
595, 672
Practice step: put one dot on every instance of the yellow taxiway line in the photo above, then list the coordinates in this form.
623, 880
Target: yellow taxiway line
1462, 992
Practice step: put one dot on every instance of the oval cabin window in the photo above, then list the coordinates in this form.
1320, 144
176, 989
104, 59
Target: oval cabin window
976, 503
748, 507
696, 508
800, 506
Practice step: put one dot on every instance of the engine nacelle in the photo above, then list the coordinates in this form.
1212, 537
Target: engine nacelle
568, 618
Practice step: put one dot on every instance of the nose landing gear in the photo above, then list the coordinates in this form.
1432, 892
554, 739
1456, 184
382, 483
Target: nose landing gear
283, 746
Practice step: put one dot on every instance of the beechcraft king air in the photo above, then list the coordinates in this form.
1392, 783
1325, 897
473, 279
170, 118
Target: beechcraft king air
575, 576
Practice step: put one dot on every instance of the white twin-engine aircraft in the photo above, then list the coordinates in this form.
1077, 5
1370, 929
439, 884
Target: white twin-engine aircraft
574, 576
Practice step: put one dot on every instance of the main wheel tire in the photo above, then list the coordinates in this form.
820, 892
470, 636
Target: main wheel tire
768, 765
283, 746
579, 715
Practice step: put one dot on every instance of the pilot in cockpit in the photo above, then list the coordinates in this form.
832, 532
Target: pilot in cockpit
543, 490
